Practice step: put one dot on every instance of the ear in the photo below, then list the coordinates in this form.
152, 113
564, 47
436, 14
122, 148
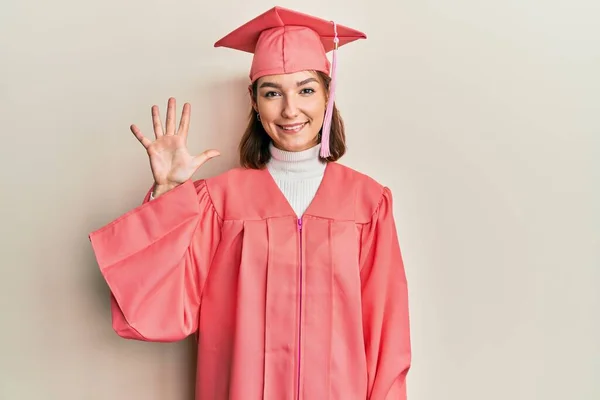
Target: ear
254, 105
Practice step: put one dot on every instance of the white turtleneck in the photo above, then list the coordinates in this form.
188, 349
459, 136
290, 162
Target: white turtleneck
298, 175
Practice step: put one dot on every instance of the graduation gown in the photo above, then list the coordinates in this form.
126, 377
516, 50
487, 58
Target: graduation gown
283, 307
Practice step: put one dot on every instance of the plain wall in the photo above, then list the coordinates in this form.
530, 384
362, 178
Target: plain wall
483, 117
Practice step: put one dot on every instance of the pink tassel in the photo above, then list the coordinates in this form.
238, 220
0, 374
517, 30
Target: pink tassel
325, 134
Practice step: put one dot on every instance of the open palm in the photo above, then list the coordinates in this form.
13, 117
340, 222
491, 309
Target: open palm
170, 160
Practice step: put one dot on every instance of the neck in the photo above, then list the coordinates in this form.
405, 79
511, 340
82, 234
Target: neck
298, 175
296, 164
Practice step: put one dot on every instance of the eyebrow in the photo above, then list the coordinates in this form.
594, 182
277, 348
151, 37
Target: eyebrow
278, 86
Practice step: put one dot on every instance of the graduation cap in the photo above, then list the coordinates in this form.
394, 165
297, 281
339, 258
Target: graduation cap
284, 41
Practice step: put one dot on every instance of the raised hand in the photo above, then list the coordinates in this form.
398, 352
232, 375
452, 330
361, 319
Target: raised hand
170, 160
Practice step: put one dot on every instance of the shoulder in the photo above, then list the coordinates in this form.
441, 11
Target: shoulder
357, 179
366, 191
230, 178
234, 178
231, 192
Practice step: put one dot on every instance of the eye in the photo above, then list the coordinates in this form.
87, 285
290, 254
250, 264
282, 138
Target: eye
271, 94
307, 91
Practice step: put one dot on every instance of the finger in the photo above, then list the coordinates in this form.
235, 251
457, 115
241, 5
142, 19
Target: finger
139, 136
158, 130
184, 123
171, 117
204, 157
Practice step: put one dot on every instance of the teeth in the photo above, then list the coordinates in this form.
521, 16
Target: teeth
295, 128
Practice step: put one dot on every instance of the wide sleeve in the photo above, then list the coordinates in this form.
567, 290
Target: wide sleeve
155, 260
384, 306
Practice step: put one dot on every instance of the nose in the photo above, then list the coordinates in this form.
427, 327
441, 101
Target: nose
290, 108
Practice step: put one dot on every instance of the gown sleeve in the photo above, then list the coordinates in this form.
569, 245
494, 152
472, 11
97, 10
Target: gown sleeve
385, 306
155, 260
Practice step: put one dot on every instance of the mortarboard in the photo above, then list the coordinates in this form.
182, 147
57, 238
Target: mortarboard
285, 41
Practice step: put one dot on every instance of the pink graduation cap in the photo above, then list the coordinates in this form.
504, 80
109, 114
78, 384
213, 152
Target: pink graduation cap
285, 41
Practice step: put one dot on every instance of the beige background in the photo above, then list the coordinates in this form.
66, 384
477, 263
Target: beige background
482, 116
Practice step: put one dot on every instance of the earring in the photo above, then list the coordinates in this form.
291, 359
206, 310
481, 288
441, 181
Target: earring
258, 116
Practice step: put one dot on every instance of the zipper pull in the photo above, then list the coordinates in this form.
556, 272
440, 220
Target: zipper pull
300, 223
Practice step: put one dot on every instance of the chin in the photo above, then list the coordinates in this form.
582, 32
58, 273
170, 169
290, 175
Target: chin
287, 146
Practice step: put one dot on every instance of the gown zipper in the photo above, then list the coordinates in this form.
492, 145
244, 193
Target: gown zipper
300, 315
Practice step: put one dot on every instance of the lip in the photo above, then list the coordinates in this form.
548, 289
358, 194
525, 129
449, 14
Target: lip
292, 128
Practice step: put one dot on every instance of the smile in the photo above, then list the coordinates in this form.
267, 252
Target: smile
292, 128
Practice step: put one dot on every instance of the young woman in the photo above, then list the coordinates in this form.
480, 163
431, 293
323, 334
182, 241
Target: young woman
288, 269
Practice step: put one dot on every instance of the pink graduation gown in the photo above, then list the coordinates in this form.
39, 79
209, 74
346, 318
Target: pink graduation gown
283, 307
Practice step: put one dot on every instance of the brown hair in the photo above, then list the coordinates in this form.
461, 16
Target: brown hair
254, 146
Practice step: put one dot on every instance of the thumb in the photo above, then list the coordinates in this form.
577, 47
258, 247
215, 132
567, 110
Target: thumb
204, 157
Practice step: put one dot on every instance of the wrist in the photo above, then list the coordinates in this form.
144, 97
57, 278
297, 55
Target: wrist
161, 189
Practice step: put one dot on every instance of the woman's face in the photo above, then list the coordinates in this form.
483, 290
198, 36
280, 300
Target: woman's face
291, 109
